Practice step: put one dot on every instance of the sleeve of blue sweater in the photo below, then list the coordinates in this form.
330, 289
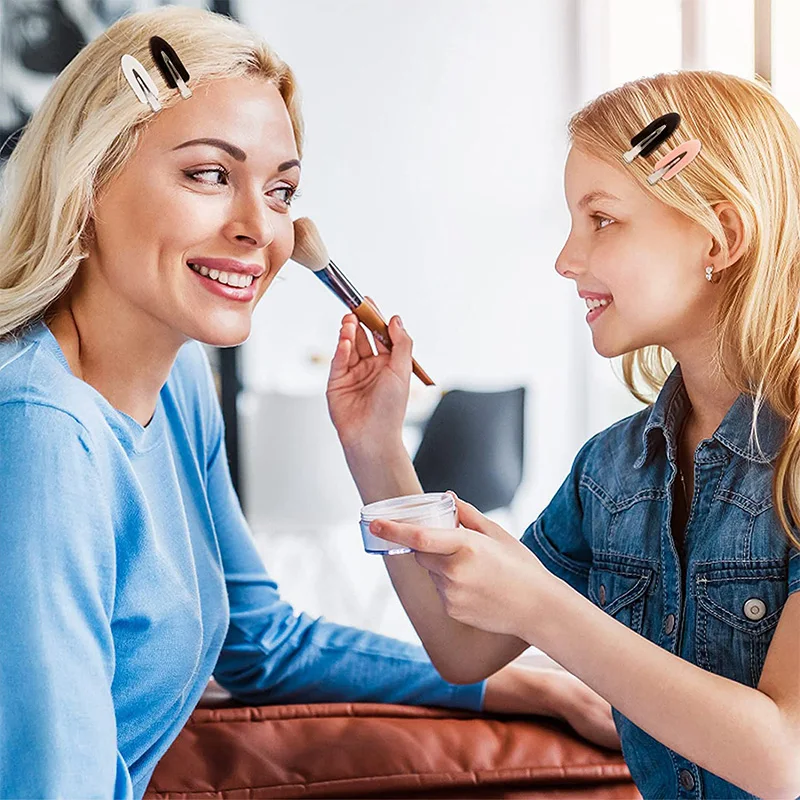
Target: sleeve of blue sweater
57, 573
272, 654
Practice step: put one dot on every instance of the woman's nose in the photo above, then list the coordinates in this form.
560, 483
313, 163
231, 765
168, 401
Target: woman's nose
251, 222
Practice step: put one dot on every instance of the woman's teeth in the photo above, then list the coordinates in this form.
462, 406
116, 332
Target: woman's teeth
592, 304
228, 278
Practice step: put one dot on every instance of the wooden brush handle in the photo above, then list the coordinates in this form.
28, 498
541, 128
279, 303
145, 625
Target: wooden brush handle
371, 317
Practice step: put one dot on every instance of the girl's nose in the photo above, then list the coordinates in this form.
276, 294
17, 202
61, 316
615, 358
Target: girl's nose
569, 264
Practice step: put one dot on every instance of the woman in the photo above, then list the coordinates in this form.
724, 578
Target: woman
129, 575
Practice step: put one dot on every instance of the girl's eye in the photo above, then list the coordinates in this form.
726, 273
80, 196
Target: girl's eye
600, 221
215, 171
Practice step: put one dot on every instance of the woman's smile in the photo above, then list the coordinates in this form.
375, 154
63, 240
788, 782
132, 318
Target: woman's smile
234, 280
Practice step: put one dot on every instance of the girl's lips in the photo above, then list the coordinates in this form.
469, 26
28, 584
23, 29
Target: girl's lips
596, 312
243, 295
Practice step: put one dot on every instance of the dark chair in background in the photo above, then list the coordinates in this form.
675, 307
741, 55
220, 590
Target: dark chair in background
474, 445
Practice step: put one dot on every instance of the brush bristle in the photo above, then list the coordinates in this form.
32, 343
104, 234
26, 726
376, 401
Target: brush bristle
309, 249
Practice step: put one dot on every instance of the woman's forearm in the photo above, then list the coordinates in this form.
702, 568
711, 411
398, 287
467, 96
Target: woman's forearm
461, 653
734, 731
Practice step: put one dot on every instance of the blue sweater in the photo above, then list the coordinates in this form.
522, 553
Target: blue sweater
128, 576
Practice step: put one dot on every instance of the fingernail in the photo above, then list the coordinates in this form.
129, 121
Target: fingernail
400, 322
375, 527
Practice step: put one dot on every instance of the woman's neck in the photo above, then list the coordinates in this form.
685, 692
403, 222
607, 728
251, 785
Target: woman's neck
125, 359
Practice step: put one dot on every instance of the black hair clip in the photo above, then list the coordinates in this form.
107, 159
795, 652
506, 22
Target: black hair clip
655, 134
170, 66
652, 135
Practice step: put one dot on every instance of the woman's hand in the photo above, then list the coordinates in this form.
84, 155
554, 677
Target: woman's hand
553, 693
484, 576
367, 393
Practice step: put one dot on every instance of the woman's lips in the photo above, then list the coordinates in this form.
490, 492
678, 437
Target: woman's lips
243, 294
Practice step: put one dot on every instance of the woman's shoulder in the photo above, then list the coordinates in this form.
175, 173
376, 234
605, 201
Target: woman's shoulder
38, 394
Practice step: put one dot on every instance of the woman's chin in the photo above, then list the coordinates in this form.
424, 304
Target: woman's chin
224, 332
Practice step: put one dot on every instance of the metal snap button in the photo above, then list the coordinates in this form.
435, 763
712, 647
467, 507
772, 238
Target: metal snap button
686, 779
669, 624
755, 608
602, 594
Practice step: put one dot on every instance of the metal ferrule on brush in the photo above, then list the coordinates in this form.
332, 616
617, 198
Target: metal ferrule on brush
336, 281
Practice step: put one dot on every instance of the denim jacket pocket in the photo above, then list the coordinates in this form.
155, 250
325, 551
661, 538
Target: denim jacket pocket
738, 607
619, 587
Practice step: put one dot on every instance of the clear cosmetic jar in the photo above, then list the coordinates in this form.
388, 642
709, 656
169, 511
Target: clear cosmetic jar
435, 510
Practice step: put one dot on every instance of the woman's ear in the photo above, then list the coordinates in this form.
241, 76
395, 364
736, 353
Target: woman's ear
731, 221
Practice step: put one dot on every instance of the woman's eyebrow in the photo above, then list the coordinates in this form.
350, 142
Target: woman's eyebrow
595, 195
234, 151
231, 149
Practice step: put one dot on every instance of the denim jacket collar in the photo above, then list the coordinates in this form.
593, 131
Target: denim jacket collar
672, 405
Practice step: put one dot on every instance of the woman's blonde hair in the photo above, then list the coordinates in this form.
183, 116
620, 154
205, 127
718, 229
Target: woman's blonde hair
86, 129
750, 157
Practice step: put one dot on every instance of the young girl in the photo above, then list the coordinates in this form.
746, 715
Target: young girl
665, 572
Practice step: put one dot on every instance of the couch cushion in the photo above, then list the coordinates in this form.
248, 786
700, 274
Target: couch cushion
361, 750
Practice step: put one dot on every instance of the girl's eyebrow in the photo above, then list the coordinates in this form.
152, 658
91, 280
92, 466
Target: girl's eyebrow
598, 194
233, 151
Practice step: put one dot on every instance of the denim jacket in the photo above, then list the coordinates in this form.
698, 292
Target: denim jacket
607, 533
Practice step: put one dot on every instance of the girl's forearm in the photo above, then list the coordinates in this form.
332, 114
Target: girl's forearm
732, 730
461, 653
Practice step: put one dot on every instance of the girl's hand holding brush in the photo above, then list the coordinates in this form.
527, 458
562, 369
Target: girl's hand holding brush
367, 393
367, 398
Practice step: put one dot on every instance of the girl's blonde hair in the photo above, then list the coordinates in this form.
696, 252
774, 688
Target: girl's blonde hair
750, 157
86, 129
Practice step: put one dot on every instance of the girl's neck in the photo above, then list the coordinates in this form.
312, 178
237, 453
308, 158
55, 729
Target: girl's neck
710, 394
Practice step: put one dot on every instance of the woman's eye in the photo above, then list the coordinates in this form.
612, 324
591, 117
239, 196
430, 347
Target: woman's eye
285, 194
223, 173
601, 222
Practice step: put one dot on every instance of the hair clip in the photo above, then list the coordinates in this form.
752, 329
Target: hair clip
652, 135
674, 161
175, 74
140, 81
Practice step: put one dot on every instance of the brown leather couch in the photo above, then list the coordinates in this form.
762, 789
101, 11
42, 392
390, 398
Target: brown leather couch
371, 750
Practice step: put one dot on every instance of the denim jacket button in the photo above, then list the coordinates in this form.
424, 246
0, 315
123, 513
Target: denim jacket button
755, 608
602, 595
686, 779
669, 624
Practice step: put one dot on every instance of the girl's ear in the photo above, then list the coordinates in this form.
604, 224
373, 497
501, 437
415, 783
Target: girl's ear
732, 224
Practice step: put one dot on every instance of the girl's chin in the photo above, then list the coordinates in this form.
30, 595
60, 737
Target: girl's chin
609, 349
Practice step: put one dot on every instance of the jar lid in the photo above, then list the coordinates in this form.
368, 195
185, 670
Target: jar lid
416, 507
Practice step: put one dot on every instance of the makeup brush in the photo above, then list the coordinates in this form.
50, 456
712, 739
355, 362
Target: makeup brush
309, 250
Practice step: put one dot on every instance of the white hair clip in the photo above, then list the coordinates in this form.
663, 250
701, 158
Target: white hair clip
140, 81
172, 70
